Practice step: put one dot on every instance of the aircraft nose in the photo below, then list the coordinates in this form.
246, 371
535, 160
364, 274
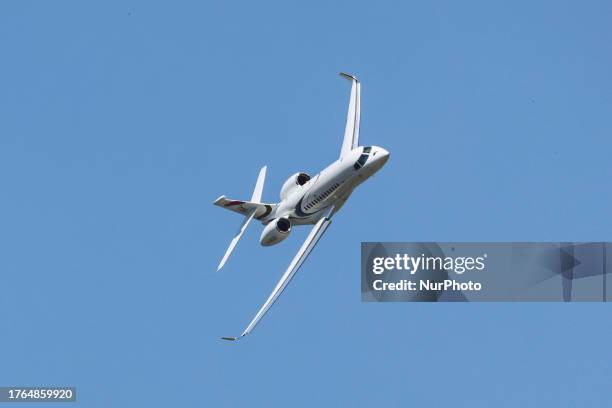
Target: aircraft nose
384, 155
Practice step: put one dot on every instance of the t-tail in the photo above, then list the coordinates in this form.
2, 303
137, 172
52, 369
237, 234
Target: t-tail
250, 209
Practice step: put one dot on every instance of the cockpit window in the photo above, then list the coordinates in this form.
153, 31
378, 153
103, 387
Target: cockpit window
367, 149
361, 161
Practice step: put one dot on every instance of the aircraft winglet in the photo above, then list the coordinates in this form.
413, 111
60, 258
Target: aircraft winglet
349, 76
234, 338
351, 131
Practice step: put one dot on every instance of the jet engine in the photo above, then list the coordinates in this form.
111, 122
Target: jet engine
292, 183
275, 231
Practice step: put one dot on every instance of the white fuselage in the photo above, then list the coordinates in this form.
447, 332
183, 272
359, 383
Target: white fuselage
332, 186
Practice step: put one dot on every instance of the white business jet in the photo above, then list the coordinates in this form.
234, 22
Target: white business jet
307, 200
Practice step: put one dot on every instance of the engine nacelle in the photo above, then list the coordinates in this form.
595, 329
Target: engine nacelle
275, 231
293, 182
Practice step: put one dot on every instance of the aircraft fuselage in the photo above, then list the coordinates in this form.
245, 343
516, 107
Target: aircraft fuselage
332, 186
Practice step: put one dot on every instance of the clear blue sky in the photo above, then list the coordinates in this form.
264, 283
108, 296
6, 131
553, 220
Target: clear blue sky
121, 122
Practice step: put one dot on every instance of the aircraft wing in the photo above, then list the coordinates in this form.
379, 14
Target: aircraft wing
315, 234
351, 132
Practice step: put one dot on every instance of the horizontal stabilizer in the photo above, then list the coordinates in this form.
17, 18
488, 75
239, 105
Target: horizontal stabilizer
250, 209
232, 245
245, 207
